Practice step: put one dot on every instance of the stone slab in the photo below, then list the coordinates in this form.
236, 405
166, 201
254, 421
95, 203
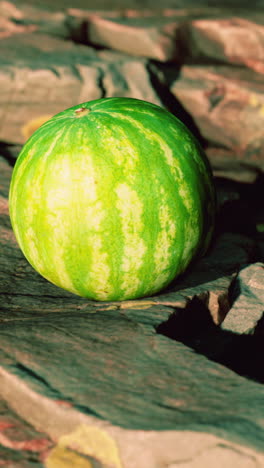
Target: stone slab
226, 105
232, 40
42, 75
154, 382
137, 374
248, 300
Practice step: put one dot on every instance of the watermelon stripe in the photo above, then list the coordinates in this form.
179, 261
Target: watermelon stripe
112, 204
88, 262
131, 209
23, 188
163, 253
43, 211
146, 132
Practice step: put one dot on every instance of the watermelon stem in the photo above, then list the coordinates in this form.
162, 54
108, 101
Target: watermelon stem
81, 111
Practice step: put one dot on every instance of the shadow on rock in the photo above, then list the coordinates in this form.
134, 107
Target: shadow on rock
242, 210
195, 328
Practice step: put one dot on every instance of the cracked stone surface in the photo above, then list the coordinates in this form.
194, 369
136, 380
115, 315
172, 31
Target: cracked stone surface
248, 306
21, 445
79, 75
222, 101
173, 380
158, 360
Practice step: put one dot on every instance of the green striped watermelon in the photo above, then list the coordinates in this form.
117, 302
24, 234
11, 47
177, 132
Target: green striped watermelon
112, 199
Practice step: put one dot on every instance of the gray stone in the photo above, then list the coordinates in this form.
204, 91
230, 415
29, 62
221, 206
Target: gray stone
248, 300
20, 443
113, 368
157, 381
209, 278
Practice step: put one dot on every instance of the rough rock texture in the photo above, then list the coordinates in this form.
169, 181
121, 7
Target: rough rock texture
175, 36
227, 106
208, 279
223, 104
143, 37
233, 40
82, 372
42, 75
248, 307
173, 380
21, 445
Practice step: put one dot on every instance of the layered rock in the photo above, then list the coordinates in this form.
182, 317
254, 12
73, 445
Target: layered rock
170, 380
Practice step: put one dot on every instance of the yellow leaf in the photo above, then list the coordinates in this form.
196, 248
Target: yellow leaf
61, 457
89, 441
33, 125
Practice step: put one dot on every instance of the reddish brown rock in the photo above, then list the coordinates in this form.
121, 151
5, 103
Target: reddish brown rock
172, 34
42, 75
226, 163
233, 40
9, 10
153, 37
131, 384
227, 105
9, 28
20, 443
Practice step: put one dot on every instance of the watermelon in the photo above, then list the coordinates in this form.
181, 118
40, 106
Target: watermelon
112, 199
